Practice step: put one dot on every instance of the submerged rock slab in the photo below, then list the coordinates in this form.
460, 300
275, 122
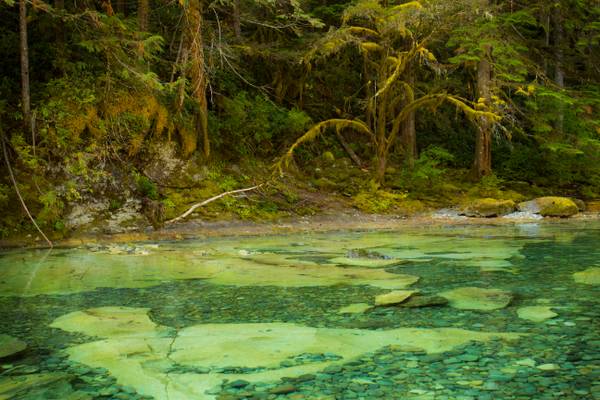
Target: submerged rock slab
357, 308
474, 298
163, 367
395, 297
108, 322
590, 276
536, 313
285, 260
364, 262
240, 273
85, 271
424, 301
10, 346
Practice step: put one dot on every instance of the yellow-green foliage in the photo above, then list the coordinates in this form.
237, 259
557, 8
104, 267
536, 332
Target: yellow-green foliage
123, 118
410, 207
377, 201
491, 186
144, 113
188, 138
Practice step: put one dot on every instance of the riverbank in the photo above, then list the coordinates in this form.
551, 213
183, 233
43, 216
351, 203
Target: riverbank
338, 219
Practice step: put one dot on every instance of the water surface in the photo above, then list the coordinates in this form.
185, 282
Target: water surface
259, 317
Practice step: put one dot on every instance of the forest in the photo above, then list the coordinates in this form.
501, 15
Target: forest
385, 106
299, 199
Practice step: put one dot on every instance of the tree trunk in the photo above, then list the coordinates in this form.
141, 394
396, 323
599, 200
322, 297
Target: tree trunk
25, 91
409, 139
197, 72
143, 12
483, 144
59, 5
107, 7
408, 135
237, 25
381, 165
559, 74
380, 111
546, 43
121, 9
380, 138
61, 57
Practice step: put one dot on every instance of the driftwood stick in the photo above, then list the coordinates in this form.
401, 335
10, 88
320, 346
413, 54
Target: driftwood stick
205, 202
14, 182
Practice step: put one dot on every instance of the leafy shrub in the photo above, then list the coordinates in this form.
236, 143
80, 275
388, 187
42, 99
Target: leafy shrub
490, 186
115, 204
146, 187
256, 124
428, 171
52, 210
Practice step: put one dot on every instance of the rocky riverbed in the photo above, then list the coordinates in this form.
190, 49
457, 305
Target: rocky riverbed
126, 338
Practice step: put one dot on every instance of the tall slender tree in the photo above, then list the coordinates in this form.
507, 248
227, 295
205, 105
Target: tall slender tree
237, 24
24, 55
408, 136
559, 73
482, 164
196, 68
143, 14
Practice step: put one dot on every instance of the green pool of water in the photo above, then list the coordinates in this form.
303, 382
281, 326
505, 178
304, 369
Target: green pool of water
494, 313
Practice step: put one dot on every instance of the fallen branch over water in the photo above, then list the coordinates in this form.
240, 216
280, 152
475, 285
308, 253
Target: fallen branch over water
205, 202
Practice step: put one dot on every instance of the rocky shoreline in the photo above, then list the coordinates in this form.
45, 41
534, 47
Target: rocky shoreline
339, 219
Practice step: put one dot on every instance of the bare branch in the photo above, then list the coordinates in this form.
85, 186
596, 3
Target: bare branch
205, 202
14, 182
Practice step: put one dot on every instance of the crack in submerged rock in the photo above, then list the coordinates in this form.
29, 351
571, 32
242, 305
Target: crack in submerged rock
217, 346
168, 357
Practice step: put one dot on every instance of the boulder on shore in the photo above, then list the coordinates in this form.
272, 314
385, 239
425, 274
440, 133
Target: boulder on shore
489, 207
580, 204
550, 206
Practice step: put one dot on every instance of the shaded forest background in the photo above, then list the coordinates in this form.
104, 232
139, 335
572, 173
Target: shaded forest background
428, 103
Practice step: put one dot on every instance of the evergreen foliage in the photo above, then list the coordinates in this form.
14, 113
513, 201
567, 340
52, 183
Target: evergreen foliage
112, 85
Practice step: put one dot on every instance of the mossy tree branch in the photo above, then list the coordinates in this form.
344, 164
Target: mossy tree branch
319, 129
435, 100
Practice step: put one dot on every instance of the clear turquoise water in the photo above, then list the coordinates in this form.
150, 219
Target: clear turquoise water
300, 282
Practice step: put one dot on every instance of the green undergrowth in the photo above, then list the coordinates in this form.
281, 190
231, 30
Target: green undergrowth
332, 182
